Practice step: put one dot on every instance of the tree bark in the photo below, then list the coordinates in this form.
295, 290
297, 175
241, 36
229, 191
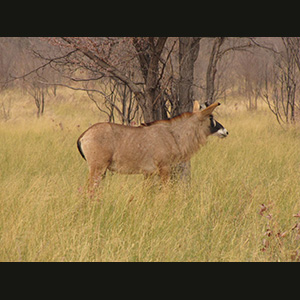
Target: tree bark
153, 108
188, 54
212, 69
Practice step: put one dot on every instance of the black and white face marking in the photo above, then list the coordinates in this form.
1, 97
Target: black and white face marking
217, 129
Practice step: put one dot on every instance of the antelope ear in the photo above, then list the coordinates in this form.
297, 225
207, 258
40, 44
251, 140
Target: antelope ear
196, 106
208, 110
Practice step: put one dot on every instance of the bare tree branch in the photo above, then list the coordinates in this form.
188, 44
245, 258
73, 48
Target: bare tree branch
39, 68
105, 66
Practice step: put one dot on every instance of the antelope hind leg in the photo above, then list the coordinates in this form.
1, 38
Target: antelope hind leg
97, 173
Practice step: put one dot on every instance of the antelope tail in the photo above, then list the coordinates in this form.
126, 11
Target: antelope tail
80, 149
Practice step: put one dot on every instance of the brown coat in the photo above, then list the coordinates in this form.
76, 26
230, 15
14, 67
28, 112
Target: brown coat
145, 149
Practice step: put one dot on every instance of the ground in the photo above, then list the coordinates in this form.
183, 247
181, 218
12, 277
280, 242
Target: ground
242, 203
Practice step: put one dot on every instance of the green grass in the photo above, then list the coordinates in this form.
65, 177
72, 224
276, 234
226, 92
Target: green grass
45, 214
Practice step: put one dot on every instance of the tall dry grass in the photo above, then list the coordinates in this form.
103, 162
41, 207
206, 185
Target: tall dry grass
242, 203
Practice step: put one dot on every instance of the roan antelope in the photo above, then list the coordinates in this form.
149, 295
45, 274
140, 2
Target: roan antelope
150, 149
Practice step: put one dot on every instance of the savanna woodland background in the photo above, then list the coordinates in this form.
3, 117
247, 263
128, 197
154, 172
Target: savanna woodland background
242, 202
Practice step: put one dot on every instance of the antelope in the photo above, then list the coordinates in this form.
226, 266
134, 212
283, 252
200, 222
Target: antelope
150, 149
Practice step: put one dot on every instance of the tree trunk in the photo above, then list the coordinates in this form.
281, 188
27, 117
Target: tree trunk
212, 69
152, 101
188, 54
